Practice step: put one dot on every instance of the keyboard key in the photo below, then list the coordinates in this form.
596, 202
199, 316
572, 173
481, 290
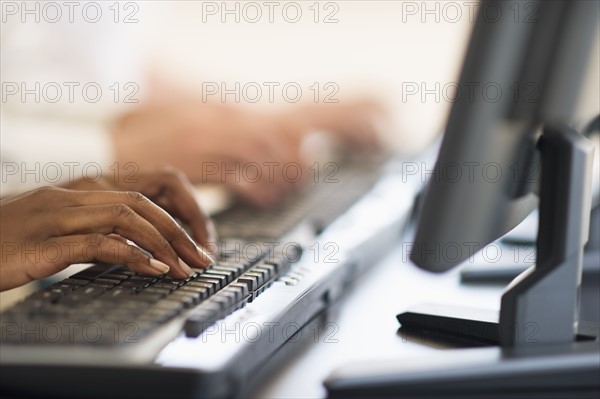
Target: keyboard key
257, 276
124, 272
154, 290
167, 286
201, 292
162, 313
263, 272
231, 271
100, 284
209, 287
118, 293
95, 271
276, 265
66, 287
116, 276
234, 294
148, 297
239, 266
201, 319
130, 306
169, 304
223, 302
84, 294
75, 282
107, 281
53, 311
251, 282
210, 308
61, 291
87, 274
134, 284
189, 299
215, 278
269, 269
243, 288
146, 279
90, 291
167, 279
215, 285
229, 275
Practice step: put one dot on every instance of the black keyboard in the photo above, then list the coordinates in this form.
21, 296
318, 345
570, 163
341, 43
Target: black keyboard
109, 305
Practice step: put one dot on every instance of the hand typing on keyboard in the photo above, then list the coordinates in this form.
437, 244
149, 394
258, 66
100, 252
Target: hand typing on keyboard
207, 140
45, 230
168, 188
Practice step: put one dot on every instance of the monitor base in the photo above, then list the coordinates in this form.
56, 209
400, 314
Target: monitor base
468, 327
480, 368
544, 371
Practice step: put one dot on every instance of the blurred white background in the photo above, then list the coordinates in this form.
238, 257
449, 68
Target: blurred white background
372, 48
368, 50
365, 48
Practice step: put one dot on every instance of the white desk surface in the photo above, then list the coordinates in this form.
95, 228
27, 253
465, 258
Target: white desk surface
366, 327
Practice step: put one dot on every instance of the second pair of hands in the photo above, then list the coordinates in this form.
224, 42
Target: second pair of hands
196, 136
48, 229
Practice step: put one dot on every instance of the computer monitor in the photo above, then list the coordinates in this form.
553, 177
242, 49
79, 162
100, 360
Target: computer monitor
521, 77
508, 147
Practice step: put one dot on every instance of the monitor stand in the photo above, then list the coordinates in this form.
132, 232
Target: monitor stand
536, 341
541, 306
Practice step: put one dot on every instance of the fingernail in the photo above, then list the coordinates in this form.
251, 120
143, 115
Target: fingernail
206, 258
186, 269
159, 266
